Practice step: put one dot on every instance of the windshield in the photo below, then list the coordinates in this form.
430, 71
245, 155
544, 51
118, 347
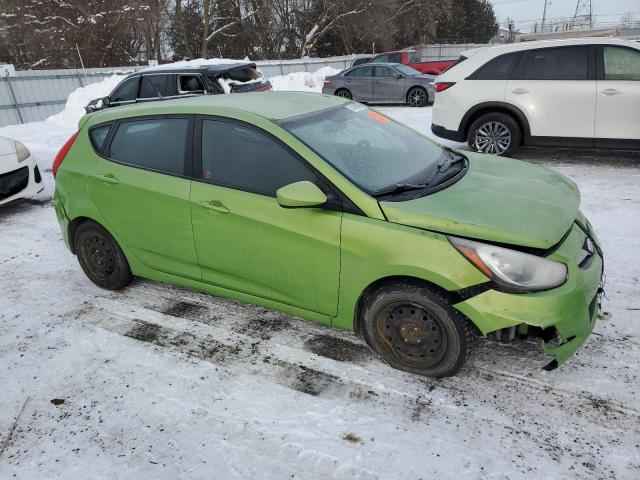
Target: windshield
407, 71
371, 150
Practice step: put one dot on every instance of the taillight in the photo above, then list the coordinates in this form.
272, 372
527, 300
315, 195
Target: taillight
63, 153
442, 86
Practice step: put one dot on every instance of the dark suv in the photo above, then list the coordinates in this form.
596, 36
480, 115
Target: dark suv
165, 82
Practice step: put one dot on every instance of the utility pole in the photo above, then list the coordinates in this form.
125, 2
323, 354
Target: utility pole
544, 14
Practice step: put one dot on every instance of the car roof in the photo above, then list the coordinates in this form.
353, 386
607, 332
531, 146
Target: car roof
514, 47
212, 69
271, 105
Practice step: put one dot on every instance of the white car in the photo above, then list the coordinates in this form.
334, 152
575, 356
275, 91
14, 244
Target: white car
19, 174
560, 93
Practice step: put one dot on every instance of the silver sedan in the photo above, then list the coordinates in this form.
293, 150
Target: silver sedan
388, 83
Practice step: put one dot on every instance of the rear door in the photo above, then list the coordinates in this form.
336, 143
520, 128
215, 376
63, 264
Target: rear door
359, 81
618, 97
141, 187
556, 90
244, 239
386, 87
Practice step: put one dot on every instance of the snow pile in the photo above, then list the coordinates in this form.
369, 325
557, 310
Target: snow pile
303, 81
79, 98
198, 62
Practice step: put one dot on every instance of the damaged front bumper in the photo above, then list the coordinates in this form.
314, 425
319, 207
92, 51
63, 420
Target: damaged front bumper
571, 309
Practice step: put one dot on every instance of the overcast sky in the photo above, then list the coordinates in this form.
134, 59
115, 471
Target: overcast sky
528, 11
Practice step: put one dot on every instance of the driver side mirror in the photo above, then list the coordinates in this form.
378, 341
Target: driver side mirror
398, 76
106, 101
300, 195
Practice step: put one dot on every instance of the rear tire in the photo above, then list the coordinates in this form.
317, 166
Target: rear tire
495, 134
344, 93
415, 329
417, 97
101, 258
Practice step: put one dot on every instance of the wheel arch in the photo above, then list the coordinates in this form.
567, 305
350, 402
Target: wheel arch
496, 107
390, 280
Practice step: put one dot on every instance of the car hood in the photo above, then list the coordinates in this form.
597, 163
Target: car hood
7, 146
499, 200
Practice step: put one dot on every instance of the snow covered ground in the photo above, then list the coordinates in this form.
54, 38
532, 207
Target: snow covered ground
160, 382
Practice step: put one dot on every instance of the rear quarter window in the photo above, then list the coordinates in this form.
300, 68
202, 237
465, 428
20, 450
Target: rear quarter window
98, 136
499, 68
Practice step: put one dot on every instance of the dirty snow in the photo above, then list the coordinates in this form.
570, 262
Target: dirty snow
160, 382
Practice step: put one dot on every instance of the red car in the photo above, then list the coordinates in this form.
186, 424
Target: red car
411, 58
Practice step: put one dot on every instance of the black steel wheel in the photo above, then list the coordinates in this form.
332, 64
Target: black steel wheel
344, 93
415, 329
100, 257
417, 97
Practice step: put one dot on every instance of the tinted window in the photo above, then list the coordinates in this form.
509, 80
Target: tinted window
360, 61
153, 86
381, 59
189, 83
395, 58
383, 72
565, 63
366, 71
127, 91
243, 158
414, 57
621, 64
99, 135
245, 74
499, 68
157, 144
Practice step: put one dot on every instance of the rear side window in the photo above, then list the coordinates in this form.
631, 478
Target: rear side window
127, 91
621, 63
366, 71
499, 68
157, 144
98, 136
245, 159
153, 86
563, 63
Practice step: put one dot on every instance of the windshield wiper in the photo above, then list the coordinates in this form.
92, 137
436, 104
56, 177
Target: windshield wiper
452, 158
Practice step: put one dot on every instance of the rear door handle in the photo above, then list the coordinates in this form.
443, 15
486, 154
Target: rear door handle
519, 91
611, 91
108, 178
214, 205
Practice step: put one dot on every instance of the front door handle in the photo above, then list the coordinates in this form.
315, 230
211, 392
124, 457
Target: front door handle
108, 178
611, 91
214, 205
519, 91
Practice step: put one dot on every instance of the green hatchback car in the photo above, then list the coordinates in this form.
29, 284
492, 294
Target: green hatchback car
322, 208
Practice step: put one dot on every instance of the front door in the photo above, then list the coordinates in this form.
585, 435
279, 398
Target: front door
244, 239
142, 192
556, 90
618, 104
386, 87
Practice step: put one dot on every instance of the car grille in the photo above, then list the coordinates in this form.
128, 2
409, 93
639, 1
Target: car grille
13, 182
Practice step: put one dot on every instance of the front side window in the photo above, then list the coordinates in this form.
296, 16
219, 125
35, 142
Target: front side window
499, 68
245, 159
127, 91
372, 150
414, 57
621, 63
157, 144
383, 72
190, 84
562, 63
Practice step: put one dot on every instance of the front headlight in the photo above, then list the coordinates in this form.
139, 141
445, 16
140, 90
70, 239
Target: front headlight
22, 151
513, 270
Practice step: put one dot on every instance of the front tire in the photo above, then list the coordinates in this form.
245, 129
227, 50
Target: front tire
495, 134
101, 258
344, 93
415, 329
417, 97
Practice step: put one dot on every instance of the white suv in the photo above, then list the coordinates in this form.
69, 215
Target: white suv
561, 93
